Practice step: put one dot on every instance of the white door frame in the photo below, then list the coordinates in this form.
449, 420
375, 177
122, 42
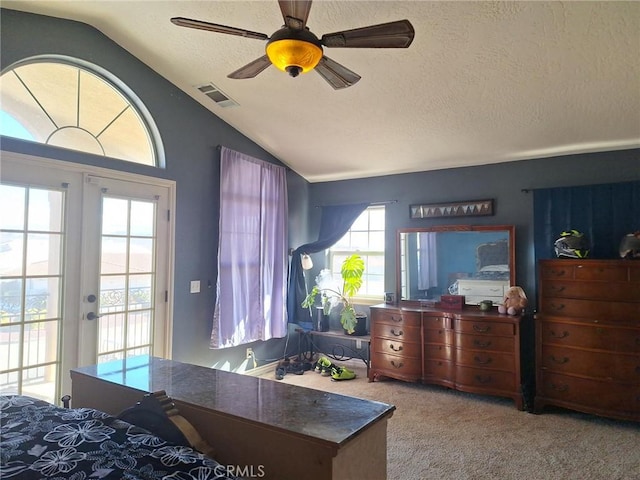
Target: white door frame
74, 307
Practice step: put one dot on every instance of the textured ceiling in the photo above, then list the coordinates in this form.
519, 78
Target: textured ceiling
483, 82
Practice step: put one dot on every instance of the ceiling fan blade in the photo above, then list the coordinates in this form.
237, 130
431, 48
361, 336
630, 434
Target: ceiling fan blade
335, 74
212, 27
397, 34
295, 13
252, 69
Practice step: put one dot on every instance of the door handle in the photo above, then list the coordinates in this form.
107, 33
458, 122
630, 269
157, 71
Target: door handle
92, 316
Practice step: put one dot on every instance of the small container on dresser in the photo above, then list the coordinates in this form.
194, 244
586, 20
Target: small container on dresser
588, 337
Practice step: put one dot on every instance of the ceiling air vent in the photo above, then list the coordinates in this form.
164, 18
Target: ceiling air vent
215, 94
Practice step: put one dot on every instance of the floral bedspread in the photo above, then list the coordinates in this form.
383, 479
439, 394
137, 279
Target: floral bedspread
41, 441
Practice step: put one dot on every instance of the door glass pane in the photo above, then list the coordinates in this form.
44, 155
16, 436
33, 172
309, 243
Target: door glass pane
45, 210
126, 277
112, 293
31, 279
113, 257
115, 216
141, 255
43, 253
11, 253
142, 215
12, 218
10, 300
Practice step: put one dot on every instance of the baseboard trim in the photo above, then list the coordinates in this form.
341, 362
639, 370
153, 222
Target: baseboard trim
262, 370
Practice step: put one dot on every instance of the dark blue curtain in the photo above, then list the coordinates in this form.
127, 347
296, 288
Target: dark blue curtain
604, 213
335, 221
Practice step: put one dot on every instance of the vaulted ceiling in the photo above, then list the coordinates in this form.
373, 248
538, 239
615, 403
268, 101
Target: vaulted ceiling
482, 82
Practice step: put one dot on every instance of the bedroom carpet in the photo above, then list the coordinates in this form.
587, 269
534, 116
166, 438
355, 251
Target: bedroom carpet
441, 434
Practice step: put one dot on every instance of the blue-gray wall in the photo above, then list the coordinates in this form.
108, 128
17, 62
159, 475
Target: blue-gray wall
503, 182
190, 134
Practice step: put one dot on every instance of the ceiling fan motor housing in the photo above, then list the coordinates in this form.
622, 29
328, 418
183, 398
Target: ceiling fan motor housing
294, 51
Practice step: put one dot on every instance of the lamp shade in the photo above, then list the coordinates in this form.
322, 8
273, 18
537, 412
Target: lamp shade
294, 56
307, 263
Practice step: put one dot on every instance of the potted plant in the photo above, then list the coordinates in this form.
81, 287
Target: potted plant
351, 271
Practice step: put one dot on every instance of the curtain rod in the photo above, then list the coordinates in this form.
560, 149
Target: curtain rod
372, 204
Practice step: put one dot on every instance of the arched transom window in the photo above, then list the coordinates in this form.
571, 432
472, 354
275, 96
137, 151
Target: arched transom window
67, 105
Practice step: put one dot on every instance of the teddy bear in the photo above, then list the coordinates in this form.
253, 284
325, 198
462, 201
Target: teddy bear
514, 302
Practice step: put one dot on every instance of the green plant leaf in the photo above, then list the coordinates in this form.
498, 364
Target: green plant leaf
352, 271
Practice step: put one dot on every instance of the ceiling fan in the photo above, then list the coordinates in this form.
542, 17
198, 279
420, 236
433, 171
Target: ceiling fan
295, 49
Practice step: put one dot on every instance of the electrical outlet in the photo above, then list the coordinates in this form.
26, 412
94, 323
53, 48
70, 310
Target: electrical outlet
249, 352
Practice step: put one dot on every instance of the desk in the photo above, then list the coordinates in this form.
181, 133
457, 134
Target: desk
288, 431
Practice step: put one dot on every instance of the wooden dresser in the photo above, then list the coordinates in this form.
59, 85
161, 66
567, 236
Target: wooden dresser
588, 337
469, 350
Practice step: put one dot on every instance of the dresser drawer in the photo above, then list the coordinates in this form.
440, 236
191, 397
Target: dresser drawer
397, 317
590, 336
485, 378
621, 292
485, 328
493, 360
584, 271
441, 336
440, 369
396, 347
599, 365
435, 322
485, 342
569, 307
623, 399
397, 332
397, 364
442, 352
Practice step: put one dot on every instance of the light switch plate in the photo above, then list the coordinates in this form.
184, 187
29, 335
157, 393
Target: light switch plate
195, 286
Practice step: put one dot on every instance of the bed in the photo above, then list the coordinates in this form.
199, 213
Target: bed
491, 278
39, 440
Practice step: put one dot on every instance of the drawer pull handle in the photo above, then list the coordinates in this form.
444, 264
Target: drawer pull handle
557, 273
485, 379
396, 319
481, 361
394, 348
559, 361
480, 343
560, 388
397, 365
558, 289
562, 335
557, 308
399, 334
481, 329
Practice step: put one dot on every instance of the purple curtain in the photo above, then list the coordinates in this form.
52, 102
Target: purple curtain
252, 252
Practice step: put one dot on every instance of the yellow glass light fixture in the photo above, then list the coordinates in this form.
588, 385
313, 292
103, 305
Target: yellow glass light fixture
294, 51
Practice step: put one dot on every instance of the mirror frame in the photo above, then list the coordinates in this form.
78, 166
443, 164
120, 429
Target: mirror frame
453, 228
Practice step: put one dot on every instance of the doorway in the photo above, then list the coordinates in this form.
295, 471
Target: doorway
85, 270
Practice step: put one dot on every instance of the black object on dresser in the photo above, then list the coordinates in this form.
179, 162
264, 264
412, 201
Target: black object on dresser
588, 337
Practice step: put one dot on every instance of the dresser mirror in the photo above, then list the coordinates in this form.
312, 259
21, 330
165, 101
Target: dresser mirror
475, 261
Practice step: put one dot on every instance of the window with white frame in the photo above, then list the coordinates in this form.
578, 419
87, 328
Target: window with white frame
366, 238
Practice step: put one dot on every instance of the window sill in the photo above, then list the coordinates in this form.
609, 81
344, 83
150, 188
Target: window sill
367, 301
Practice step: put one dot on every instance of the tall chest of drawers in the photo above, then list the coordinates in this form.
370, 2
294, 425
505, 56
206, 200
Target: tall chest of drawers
472, 351
588, 337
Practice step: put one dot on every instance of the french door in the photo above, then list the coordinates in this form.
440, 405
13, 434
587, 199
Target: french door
85, 268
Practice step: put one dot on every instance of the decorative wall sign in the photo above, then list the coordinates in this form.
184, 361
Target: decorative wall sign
455, 209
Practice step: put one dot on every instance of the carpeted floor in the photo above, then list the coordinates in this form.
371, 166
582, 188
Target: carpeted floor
441, 434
